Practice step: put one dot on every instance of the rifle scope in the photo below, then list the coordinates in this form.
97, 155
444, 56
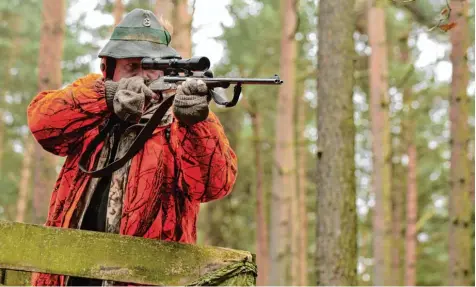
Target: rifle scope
192, 64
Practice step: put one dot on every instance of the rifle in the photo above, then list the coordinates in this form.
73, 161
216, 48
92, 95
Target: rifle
195, 67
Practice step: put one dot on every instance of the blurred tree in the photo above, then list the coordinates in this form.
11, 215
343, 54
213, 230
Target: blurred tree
460, 272
164, 8
238, 208
25, 179
15, 24
118, 12
22, 85
381, 145
49, 77
400, 74
305, 121
336, 240
283, 245
262, 226
398, 193
411, 176
182, 27
428, 108
301, 185
252, 22
12, 21
262, 246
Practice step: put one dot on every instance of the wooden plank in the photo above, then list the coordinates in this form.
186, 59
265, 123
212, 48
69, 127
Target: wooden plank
97, 255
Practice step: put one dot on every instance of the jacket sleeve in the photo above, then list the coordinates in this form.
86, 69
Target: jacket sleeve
61, 119
207, 163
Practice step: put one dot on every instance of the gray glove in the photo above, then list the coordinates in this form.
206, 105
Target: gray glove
191, 102
129, 98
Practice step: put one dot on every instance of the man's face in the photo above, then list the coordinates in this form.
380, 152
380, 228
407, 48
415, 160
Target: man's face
130, 67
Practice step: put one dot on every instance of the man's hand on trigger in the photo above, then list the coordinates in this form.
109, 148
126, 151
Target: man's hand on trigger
129, 97
191, 102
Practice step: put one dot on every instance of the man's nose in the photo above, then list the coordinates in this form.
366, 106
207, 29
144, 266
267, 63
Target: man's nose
143, 73
146, 74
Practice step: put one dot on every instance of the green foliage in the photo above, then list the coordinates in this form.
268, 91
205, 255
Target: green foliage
429, 105
20, 27
252, 47
256, 26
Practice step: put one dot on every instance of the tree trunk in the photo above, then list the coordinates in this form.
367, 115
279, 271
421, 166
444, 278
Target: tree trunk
412, 212
382, 170
164, 8
409, 145
283, 187
262, 250
398, 199
118, 11
301, 190
472, 182
296, 223
182, 27
14, 22
336, 242
25, 179
400, 171
460, 272
49, 77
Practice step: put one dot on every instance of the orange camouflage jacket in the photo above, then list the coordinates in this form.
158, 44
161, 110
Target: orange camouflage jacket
161, 187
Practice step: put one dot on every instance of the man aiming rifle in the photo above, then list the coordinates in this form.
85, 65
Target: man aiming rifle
138, 161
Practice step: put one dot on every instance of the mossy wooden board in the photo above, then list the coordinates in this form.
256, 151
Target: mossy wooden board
108, 256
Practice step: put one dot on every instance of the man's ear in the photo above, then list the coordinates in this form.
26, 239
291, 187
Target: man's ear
108, 66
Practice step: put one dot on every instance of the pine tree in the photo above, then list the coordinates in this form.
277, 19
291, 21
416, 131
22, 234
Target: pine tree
25, 180
336, 242
49, 77
381, 145
283, 188
182, 28
409, 146
118, 11
301, 187
459, 200
164, 9
262, 249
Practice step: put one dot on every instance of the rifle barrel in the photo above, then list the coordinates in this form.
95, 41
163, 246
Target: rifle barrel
243, 81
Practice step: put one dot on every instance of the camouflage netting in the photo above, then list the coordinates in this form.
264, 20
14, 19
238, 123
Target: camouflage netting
237, 274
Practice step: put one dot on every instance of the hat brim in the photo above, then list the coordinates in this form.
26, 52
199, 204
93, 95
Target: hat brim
121, 49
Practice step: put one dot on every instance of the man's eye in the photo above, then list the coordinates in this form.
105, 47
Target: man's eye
132, 67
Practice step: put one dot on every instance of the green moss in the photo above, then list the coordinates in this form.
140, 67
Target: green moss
17, 278
110, 256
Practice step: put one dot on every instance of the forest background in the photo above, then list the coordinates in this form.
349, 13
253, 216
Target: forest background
358, 170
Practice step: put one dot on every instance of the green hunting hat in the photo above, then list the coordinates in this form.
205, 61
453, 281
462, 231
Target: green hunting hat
139, 35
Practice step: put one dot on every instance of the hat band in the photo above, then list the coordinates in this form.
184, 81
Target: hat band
158, 36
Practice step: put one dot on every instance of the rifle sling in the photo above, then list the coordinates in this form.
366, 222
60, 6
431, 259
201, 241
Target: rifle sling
137, 144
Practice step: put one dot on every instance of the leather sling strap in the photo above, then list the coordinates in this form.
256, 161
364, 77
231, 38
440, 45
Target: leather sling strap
137, 144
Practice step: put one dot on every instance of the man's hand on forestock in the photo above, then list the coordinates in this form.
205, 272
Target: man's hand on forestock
191, 102
129, 97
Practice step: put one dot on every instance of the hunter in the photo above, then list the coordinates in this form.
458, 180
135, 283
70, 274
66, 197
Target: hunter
157, 193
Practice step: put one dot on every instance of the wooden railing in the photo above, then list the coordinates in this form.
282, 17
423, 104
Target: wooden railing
26, 248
